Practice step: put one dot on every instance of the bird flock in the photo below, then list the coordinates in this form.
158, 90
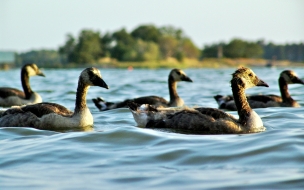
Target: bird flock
26, 108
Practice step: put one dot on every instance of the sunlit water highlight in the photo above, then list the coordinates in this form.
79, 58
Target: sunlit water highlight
117, 154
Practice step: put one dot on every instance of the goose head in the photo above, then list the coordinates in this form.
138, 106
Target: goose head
291, 77
33, 70
92, 77
246, 78
179, 75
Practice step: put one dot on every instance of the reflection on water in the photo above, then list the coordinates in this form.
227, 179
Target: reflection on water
118, 154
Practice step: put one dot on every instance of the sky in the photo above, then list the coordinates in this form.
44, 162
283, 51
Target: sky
43, 24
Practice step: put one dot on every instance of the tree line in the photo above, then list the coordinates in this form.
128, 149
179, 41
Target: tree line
151, 43
238, 48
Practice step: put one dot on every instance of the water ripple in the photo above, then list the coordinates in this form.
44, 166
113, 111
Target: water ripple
117, 154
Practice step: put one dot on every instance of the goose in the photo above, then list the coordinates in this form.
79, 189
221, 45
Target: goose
262, 101
175, 76
54, 116
14, 97
206, 120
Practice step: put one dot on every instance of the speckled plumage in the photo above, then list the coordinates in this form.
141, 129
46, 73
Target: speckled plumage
53, 116
208, 120
175, 76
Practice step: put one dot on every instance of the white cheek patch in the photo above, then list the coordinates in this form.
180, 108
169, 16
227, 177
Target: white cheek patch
178, 77
31, 71
287, 78
96, 72
293, 73
182, 73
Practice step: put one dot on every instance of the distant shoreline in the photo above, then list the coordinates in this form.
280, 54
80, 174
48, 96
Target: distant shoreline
172, 63
205, 63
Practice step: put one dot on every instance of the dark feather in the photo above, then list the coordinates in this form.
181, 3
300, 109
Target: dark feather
6, 92
41, 109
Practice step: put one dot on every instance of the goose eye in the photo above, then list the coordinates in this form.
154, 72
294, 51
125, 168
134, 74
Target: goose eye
179, 73
250, 74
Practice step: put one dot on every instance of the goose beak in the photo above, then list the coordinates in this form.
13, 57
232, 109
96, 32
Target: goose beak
100, 82
262, 83
41, 74
297, 81
186, 78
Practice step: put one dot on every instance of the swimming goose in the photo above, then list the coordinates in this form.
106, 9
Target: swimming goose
54, 116
14, 97
207, 120
175, 76
263, 101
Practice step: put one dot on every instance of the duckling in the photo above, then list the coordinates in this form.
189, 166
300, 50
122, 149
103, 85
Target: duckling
14, 97
263, 101
54, 116
207, 120
175, 76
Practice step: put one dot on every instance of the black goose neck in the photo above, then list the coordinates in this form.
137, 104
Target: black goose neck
284, 89
81, 94
26, 83
172, 89
240, 99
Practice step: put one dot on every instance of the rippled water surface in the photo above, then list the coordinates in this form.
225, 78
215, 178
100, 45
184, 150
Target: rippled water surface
117, 154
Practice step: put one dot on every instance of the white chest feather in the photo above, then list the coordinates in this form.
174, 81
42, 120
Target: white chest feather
17, 101
79, 120
254, 122
178, 102
140, 118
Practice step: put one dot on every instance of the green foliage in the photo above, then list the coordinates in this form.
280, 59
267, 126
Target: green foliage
180, 56
146, 33
253, 50
171, 31
150, 43
189, 49
167, 46
146, 51
145, 43
236, 48
123, 36
41, 57
106, 45
67, 50
210, 51
121, 51
88, 48
293, 52
123, 48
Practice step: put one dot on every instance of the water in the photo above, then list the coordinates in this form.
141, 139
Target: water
117, 154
